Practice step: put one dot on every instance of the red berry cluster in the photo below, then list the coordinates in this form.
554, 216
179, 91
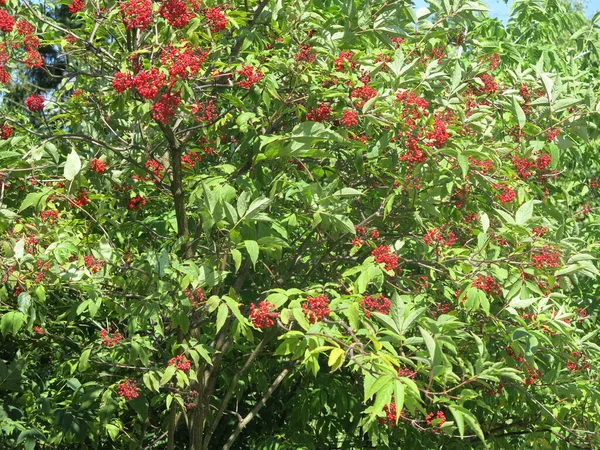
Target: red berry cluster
38, 330
436, 420
205, 112
487, 284
136, 13
216, 19
251, 74
407, 373
490, 85
95, 265
5, 131
363, 94
264, 315
345, 58
390, 415
439, 135
149, 82
526, 166
129, 390
378, 304
349, 118
506, 195
7, 22
319, 114
184, 61
305, 54
552, 134
316, 308
49, 215
164, 110
547, 257
176, 13
181, 363
122, 81
35, 103
539, 231
108, 340
136, 202
435, 236
189, 160
196, 296
578, 363
383, 255
76, 6
97, 166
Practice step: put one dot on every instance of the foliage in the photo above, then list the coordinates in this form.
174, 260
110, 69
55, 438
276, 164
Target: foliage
308, 224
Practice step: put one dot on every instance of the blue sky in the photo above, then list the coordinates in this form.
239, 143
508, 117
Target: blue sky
500, 9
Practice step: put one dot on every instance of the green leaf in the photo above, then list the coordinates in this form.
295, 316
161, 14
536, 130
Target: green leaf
463, 162
84, 360
524, 213
11, 322
459, 419
336, 359
519, 113
485, 222
237, 258
72, 166
167, 375
253, 250
222, 313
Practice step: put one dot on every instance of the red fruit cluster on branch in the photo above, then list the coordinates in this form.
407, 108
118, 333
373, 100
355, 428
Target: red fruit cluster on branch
390, 415
344, 59
552, 134
97, 166
506, 195
487, 284
439, 135
76, 6
547, 257
251, 74
81, 200
363, 94
181, 363
349, 118
122, 81
136, 14
539, 231
407, 373
136, 202
205, 112
436, 420
7, 22
176, 13
35, 103
319, 114
264, 315
316, 308
164, 110
183, 62
383, 255
196, 296
436, 236
129, 390
378, 304
149, 82
5, 131
95, 265
49, 216
490, 85
216, 19
305, 54
108, 340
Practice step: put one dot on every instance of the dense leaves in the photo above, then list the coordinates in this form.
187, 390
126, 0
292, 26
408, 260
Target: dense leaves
308, 224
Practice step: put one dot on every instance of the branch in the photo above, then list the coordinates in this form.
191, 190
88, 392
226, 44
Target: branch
261, 403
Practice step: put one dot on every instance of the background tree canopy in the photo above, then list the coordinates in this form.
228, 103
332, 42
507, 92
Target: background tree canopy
307, 224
